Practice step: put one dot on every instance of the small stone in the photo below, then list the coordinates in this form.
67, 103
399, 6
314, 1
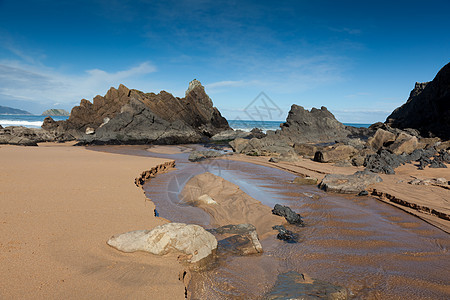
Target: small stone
206, 199
305, 180
274, 159
363, 193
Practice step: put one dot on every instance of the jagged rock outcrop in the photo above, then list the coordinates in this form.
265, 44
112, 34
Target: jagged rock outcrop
316, 125
427, 108
133, 117
301, 127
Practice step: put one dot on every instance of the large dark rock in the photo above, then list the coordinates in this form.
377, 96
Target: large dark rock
133, 117
384, 162
427, 108
316, 125
286, 212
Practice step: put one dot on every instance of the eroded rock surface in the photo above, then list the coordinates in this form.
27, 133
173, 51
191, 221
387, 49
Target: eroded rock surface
192, 240
242, 239
18, 135
349, 184
133, 117
316, 125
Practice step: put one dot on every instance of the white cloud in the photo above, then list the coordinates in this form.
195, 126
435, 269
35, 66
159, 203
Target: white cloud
36, 82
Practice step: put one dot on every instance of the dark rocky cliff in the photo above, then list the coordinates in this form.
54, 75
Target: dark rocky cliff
427, 108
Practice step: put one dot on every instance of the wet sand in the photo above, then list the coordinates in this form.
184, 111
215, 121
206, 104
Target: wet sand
373, 249
59, 206
430, 203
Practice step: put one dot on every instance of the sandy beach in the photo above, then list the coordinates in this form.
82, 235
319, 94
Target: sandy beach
60, 204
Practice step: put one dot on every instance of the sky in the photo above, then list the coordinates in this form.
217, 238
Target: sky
360, 59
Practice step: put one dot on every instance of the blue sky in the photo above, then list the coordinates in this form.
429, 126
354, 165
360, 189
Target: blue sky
358, 58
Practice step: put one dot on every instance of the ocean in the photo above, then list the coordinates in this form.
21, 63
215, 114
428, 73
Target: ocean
32, 121
35, 121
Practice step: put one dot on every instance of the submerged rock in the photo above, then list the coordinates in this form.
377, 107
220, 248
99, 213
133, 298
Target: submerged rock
201, 155
305, 180
192, 240
286, 212
244, 239
293, 285
285, 235
349, 184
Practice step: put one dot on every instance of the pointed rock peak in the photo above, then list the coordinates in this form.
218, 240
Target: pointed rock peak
192, 85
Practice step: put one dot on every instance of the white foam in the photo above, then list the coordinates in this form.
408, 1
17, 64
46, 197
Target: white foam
6, 123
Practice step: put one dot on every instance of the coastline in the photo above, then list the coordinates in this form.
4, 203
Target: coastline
60, 204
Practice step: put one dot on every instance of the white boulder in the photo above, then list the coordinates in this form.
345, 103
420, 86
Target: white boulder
192, 240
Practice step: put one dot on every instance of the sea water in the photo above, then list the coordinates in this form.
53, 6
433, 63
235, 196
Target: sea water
35, 121
31, 121
247, 125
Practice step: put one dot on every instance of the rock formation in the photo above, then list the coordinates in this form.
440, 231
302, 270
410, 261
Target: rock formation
23, 136
133, 117
349, 184
427, 108
192, 240
316, 125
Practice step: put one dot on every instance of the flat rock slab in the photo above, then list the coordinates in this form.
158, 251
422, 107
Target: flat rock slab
292, 285
191, 240
243, 240
349, 184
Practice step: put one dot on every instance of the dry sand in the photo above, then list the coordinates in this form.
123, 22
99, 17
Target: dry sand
418, 200
59, 206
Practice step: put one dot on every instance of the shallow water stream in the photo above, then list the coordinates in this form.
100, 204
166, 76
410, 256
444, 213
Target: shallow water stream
373, 249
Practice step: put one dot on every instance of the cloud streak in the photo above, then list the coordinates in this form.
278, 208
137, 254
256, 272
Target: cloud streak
22, 81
